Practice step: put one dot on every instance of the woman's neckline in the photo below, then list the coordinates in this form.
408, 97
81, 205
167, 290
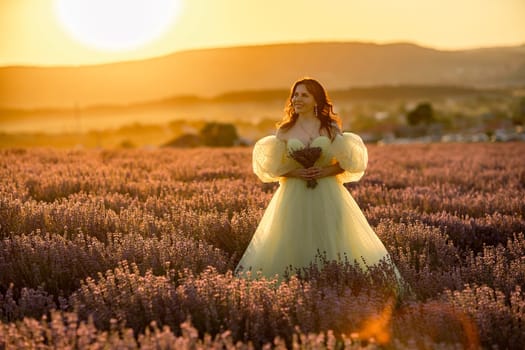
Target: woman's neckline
305, 144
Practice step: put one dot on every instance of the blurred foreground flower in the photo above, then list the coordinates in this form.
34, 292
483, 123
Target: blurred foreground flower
379, 327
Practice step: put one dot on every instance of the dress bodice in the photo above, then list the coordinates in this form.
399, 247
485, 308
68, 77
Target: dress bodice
321, 141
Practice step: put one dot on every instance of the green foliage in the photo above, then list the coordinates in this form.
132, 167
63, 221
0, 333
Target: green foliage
219, 134
422, 114
185, 141
519, 112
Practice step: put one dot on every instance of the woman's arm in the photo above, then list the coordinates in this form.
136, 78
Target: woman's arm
300, 173
315, 172
330, 170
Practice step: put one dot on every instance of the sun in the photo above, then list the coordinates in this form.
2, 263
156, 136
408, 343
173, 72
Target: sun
116, 25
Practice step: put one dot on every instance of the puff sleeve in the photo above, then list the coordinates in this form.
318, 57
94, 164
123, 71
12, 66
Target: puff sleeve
270, 159
351, 153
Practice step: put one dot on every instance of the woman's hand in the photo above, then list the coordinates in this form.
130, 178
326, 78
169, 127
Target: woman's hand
315, 172
301, 173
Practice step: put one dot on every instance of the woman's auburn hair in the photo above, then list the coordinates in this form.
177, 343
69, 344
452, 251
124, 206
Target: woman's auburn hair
325, 112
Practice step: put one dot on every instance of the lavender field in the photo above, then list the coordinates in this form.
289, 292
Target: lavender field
135, 248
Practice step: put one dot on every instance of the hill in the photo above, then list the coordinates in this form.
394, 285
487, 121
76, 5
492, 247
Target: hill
211, 72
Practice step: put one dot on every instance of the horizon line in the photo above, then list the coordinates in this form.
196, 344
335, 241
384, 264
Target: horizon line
239, 46
221, 96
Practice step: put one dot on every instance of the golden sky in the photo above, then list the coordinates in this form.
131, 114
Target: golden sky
31, 32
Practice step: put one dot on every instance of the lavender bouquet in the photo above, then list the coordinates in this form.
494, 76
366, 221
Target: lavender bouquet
307, 157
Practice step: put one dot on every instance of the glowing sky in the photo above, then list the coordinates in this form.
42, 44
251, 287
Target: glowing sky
30, 32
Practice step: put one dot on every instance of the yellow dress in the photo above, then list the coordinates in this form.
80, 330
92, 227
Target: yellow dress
299, 222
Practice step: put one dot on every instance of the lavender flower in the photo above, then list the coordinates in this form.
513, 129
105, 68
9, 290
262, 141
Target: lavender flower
307, 157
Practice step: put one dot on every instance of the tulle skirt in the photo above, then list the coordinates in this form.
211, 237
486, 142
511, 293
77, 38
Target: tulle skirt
301, 222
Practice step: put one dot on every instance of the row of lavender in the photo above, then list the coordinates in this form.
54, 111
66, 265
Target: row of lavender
114, 240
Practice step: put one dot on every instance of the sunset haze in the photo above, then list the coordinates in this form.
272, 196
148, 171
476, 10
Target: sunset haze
31, 32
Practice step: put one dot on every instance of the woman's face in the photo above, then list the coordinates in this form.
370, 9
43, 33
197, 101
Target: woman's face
302, 100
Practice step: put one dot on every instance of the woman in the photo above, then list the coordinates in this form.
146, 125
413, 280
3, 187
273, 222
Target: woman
311, 212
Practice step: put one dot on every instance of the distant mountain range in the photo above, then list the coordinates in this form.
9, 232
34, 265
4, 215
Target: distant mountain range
212, 72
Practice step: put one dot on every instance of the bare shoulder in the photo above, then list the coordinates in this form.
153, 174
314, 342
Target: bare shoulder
335, 129
282, 134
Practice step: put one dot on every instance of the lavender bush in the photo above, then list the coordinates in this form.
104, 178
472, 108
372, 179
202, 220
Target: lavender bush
135, 248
